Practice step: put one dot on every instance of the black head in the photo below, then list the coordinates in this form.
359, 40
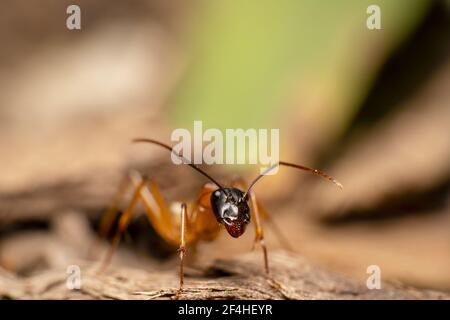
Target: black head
231, 209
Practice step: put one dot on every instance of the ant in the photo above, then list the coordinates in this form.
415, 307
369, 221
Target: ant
216, 207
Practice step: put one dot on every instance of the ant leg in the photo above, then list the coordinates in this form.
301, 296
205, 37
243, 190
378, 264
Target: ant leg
259, 234
161, 219
238, 182
110, 214
182, 249
259, 237
123, 223
157, 212
198, 225
108, 217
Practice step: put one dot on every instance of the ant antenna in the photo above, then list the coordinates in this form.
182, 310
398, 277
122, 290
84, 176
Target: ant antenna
297, 166
185, 161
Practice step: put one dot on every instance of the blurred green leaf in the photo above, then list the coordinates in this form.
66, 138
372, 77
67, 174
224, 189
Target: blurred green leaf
249, 60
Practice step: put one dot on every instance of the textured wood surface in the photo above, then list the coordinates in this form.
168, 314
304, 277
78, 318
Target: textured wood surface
241, 278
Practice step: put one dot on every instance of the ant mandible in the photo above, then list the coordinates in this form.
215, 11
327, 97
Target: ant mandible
216, 206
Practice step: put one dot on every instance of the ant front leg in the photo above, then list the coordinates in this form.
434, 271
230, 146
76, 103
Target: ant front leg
259, 238
259, 233
182, 249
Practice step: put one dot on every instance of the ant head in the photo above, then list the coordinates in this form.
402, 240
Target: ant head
231, 209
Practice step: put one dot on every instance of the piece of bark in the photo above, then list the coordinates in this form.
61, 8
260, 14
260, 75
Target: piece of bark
237, 278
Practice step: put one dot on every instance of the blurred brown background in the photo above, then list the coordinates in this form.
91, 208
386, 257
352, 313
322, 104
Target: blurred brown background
371, 107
